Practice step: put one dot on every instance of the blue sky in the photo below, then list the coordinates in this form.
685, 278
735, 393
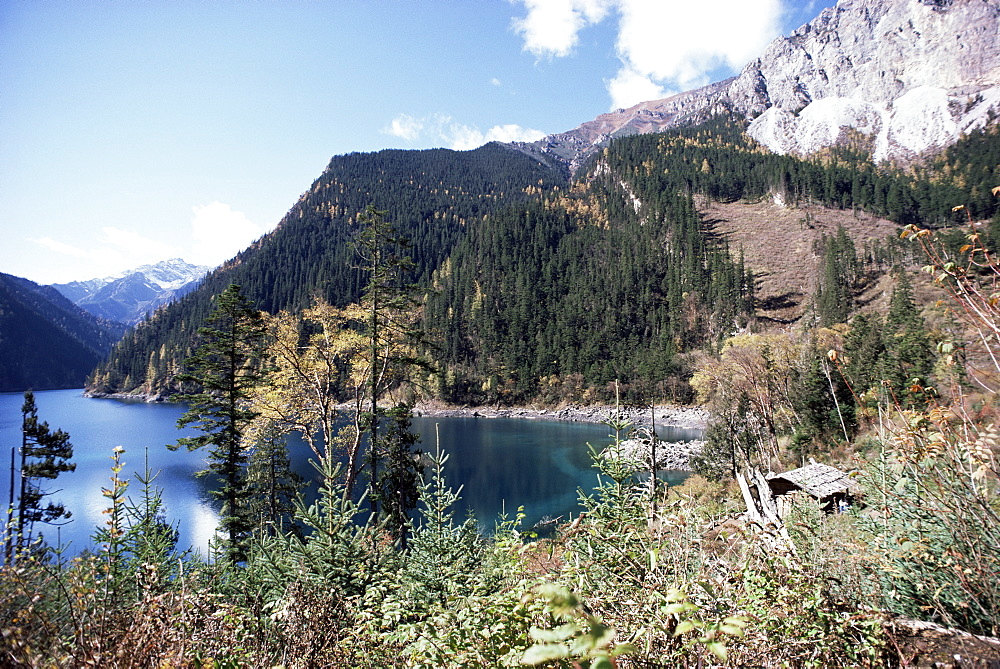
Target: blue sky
132, 132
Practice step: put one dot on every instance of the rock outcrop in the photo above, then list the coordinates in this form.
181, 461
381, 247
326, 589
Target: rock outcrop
674, 455
909, 75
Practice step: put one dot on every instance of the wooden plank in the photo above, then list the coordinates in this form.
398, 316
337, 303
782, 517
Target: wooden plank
752, 510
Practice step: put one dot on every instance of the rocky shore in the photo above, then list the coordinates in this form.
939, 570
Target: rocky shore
669, 416
669, 454
674, 453
128, 397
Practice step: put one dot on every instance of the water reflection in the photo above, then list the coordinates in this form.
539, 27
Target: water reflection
500, 463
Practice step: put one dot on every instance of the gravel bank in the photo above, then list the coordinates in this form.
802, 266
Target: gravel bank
669, 454
683, 417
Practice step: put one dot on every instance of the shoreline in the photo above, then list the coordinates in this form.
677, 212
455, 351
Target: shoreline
693, 418
127, 397
684, 417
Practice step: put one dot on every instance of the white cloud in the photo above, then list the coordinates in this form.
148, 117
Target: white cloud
405, 126
443, 130
629, 86
60, 247
116, 251
496, 82
551, 26
663, 44
219, 233
513, 133
462, 137
133, 245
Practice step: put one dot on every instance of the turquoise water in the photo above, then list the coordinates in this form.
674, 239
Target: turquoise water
500, 463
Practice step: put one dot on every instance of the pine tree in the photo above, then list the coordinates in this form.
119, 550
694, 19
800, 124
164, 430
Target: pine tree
389, 329
821, 401
908, 345
837, 280
225, 367
273, 484
44, 455
398, 487
865, 348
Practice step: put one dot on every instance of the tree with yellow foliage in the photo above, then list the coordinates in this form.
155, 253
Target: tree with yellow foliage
749, 392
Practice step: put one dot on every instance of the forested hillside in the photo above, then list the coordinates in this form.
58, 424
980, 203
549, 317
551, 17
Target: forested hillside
430, 196
578, 290
618, 278
540, 289
551, 292
47, 341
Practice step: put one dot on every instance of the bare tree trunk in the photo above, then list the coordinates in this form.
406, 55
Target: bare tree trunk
9, 528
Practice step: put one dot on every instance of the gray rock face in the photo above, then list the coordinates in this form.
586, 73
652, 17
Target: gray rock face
674, 455
911, 75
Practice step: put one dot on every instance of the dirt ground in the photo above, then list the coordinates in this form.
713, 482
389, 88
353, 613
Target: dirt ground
921, 644
777, 244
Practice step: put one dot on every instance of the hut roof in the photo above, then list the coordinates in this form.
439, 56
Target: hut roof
817, 479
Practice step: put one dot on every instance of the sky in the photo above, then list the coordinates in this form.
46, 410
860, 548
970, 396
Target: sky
134, 132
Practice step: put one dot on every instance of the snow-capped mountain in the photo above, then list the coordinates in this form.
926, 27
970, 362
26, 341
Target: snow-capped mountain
129, 296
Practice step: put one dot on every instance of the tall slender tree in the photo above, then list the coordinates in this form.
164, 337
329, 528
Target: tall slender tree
272, 481
838, 278
398, 487
225, 368
390, 333
909, 348
44, 455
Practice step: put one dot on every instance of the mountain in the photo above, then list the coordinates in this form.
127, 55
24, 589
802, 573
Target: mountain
46, 341
534, 285
431, 196
907, 76
554, 271
128, 297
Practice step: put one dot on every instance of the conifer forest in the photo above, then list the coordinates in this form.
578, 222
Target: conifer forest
487, 278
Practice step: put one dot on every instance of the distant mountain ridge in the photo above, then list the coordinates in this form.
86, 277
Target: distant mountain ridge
47, 342
911, 76
129, 296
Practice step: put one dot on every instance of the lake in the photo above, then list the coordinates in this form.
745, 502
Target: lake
501, 463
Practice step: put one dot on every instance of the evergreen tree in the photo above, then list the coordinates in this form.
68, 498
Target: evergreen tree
272, 482
225, 368
822, 402
444, 553
389, 331
909, 349
398, 487
865, 348
44, 455
838, 279
136, 540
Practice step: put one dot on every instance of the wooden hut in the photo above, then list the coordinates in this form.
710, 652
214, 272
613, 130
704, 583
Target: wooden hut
828, 485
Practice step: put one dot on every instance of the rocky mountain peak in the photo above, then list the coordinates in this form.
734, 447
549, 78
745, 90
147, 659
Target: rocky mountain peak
909, 75
128, 296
